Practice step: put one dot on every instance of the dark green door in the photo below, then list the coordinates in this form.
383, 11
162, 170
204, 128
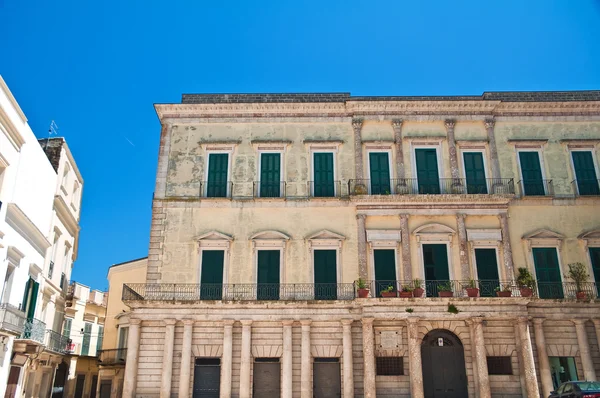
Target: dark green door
325, 275
385, 269
218, 163
270, 178
435, 262
585, 173
595, 256
379, 164
531, 171
475, 173
547, 272
30, 298
211, 280
427, 171
268, 275
487, 272
323, 178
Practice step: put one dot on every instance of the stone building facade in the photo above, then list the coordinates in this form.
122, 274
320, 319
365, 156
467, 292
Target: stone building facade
269, 209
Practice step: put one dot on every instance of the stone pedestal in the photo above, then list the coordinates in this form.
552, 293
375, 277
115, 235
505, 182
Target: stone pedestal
415, 365
543, 361
369, 358
246, 356
226, 359
406, 263
167, 369
131, 364
186, 359
527, 363
589, 372
481, 359
286, 359
348, 387
305, 365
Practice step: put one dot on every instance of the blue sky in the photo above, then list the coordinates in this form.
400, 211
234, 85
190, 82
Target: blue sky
96, 68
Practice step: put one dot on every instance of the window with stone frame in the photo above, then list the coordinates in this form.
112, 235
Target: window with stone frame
389, 366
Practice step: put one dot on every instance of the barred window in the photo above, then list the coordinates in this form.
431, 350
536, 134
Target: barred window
390, 366
499, 365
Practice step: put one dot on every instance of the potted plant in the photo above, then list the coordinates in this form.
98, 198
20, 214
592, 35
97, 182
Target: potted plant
526, 282
445, 289
406, 291
360, 189
579, 274
388, 292
402, 188
363, 290
472, 290
417, 289
505, 292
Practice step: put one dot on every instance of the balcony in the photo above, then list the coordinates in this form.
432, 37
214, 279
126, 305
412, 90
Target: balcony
238, 292
318, 189
216, 189
57, 342
536, 188
586, 187
34, 330
268, 189
12, 319
441, 186
116, 356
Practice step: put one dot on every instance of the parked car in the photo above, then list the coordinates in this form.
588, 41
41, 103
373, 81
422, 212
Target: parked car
577, 389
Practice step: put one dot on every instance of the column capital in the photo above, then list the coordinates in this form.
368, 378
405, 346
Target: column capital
523, 319
404, 216
246, 322
357, 124
228, 322
170, 322
397, 123
305, 322
450, 123
489, 123
135, 321
187, 322
461, 216
361, 217
347, 322
502, 216
367, 321
538, 321
477, 320
413, 320
578, 321
287, 322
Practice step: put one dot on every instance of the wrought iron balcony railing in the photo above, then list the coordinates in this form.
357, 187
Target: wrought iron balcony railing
445, 186
34, 330
536, 188
12, 319
216, 189
264, 189
586, 187
238, 291
57, 342
116, 356
324, 189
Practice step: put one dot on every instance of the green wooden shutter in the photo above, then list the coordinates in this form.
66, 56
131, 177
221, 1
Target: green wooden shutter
380, 173
270, 178
323, 175
325, 272
67, 327
211, 280
585, 173
218, 163
385, 269
26, 295
268, 275
487, 271
87, 336
427, 171
475, 173
32, 300
531, 171
547, 272
435, 262
595, 257
100, 338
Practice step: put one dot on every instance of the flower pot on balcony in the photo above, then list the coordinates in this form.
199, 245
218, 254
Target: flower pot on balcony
472, 292
446, 293
360, 189
388, 294
418, 292
363, 293
401, 189
526, 292
503, 293
581, 295
405, 294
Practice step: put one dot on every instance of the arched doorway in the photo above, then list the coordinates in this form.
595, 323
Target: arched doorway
60, 377
443, 357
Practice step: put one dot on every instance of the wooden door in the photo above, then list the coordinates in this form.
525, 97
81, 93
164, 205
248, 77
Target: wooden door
443, 363
585, 173
475, 173
211, 279
427, 171
266, 378
547, 272
323, 185
385, 269
268, 275
218, 165
207, 378
487, 271
435, 262
531, 171
379, 165
325, 272
270, 175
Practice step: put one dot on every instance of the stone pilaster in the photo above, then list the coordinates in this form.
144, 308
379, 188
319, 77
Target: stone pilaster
450, 123
527, 363
405, 235
400, 170
522, 380
348, 391
584, 350
597, 327
463, 249
246, 359
469, 323
415, 366
226, 359
362, 246
543, 361
506, 248
358, 155
481, 359
305, 362
369, 358
167, 368
131, 364
186, 359
286, 359
495, 162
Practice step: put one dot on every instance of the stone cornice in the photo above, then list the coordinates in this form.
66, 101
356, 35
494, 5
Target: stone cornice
18, 220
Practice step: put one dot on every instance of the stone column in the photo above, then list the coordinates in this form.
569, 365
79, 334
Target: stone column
131, 364
245, 379
522, 380
465, 271
286, 359
397, 126
597, 327
415, 367
362, 246
489, 127
406, 263
305, 366
358, 155
167, 364
369, 358
347, 358
469, 322
226, 359
527, 363
543, 361
450, 123
186, 359
481, 359
506, 248
584, 350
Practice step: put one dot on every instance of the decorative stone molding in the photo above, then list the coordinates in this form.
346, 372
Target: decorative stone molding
214, 239
267, 351
207, 350
501, 350
434, 232
527, 143
325, 238
488, 234
590, 238
18, 220
456, 327
489, 123
383, 237
562, 350
543, 237
326, 351
269, 239
388, 341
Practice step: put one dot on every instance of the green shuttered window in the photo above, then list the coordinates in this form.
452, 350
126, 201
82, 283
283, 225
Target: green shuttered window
217, 185
585, 173
323, 185
325, 274
475, 173
379, 165
385, 269
268, 275
211, 278
531, 172
270, 175
547, 272
427, 171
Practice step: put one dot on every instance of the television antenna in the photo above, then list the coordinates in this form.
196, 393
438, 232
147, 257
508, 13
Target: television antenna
53, 129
